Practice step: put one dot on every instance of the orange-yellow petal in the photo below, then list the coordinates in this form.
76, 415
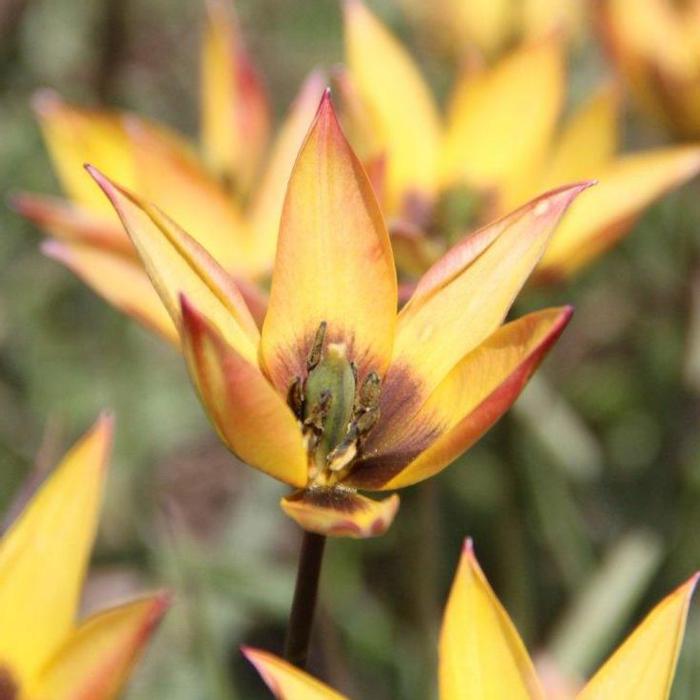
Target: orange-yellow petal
178, 265
234, 110
250, 416
644, 666
607, 212
340, 512
466, 297
481, 653
391, 89
286, 682
96, 660
501, 122
266, 205
334, 261
472, 397
44, 555
119, 280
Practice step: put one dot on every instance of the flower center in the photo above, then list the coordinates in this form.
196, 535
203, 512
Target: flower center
336, 412
9, 690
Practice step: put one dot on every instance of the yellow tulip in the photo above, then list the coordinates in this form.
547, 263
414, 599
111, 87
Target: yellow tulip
222, 198
44, 655
336, 392
481, 655
656, 47
499, 144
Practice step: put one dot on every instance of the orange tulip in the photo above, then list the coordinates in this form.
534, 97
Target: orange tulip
337, 392
482, 655
44, 655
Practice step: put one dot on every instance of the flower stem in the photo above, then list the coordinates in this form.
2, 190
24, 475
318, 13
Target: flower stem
301, 617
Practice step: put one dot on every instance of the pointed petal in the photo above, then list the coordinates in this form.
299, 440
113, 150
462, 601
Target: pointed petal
65, 221
235, 113
391, 87
340, 512
588, 141
466, 295
481, 653
266, 207
119, 280
250, 416
473, 396
177, 264
644, 666
607, 212
98, 657
334, 261
285, 681
74, 136
44, 555
500, 124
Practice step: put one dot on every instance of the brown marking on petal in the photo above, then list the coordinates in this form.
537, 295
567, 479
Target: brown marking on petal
9, 690
332, 498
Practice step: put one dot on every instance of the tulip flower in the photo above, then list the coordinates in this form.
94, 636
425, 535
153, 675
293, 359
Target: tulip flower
222, 198
337, 393
482, 656
499, 145
44, 655
656, 47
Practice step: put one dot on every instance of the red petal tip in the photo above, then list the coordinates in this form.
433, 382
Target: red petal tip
45, 101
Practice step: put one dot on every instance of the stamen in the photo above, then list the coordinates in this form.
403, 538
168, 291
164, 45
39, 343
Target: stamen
368, 396
295, 397
316, 351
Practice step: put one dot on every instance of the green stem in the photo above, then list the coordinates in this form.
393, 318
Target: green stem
301, 617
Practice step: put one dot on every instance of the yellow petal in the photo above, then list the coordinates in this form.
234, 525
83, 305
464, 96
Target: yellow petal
96, 660
466, 295
481, 654
250, 416
340, 512
119, 280
177, 264
588, 141
334, 261
607, 212
235, 118
75, 136
170, 176
266, 207
44, 555
472, 397
287, 682
644, 666
501, 122
391, 88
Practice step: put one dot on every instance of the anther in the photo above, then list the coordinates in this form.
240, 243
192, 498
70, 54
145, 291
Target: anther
368, 395
295, 397
316, 351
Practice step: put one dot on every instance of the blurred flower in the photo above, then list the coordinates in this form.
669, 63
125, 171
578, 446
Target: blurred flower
43, 558
337, 393
493, 26
656, 46
482, 656
499, 146
222, 198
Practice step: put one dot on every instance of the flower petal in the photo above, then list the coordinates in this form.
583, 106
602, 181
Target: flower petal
606, 213
177, 264
500, 125
481, 653
266, 206
96, 660
340, 512
119, 280
391, 87
235, 113
473, 396
644, 666
334, 261
249, 414
467, 293
286, 682
44, 554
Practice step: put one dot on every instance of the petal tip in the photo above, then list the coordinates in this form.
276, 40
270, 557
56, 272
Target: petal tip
45, 102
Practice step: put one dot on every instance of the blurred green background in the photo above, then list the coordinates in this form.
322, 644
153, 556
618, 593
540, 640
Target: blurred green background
583, 502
